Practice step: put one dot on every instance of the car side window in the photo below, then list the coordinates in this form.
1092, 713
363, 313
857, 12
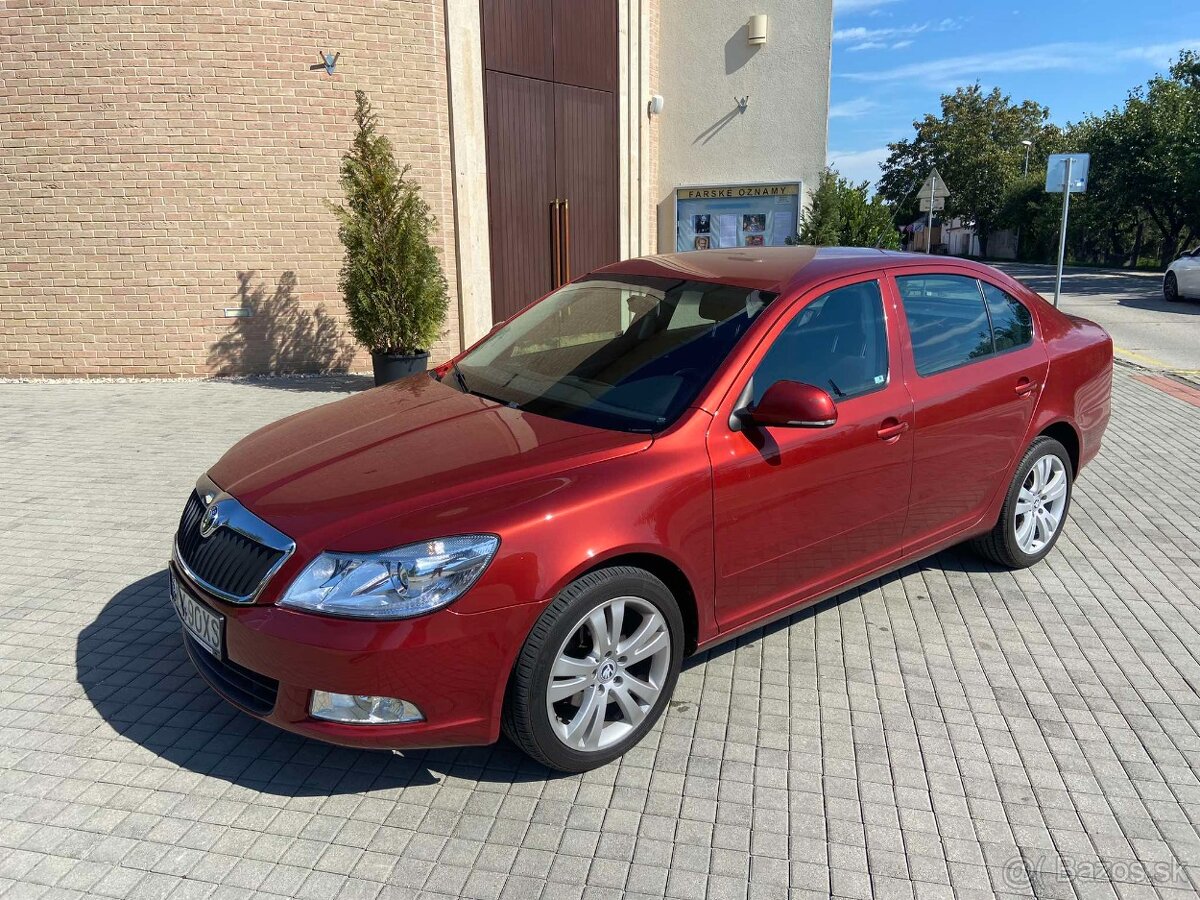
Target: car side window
838, 342
1012, 323
947, 320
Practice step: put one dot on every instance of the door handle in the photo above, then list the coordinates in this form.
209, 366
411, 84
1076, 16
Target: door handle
891, 429
566, 241
1025, 387
556, 242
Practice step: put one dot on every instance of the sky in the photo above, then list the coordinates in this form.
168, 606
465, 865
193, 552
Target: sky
893, 59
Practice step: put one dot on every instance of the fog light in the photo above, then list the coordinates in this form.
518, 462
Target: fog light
356, 709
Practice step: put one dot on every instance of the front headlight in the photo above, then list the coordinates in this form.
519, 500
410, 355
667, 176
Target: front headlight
394, 584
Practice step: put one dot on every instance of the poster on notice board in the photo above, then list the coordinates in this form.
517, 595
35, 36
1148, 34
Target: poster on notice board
708, 217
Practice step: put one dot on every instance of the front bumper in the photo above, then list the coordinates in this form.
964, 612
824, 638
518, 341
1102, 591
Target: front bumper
453, 667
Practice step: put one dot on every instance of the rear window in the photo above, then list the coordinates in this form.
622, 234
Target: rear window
1012, 323
947, 320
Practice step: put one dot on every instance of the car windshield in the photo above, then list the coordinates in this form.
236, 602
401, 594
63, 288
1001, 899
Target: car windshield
617, 352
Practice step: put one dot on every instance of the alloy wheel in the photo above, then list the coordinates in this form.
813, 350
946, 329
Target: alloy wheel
1171, 287
1041, 504
608, 673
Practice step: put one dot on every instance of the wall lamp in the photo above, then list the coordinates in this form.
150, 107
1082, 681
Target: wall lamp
756, 30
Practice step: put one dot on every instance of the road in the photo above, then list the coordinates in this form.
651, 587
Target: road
952, 730
1146, 329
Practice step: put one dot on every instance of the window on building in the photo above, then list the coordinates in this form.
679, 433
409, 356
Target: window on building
838, 342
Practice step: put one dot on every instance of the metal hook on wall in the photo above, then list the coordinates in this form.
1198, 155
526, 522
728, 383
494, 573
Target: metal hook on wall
742, 102
328, 61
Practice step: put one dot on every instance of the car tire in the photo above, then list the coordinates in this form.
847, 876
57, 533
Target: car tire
1023, 536
605, 689
1171, 288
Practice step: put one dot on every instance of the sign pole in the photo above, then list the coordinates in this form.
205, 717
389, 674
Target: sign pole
929, 228
1062, 231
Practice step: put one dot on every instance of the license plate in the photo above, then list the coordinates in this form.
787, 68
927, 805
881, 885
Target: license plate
206, 626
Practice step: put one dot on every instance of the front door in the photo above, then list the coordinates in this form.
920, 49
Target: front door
550, 77
975, 373
799, 511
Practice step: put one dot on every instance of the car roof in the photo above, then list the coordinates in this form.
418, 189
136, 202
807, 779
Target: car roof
780, 269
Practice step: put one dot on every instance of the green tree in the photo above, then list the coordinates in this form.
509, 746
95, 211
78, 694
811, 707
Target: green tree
843, 214
1146, 156
975, 143
393, 284
1108, 223
1033, 214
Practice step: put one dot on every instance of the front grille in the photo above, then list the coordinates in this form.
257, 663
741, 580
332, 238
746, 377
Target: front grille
252, 692
229, 563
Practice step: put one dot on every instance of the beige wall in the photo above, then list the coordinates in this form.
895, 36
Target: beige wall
705, 62
162, 162
655, 127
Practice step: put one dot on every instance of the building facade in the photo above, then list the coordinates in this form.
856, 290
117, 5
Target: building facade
164, 167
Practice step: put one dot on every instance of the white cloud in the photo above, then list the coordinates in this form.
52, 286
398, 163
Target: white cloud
1065, 56
875, 34
858, 165
1159, 53
850, 6
895, 38
852, 109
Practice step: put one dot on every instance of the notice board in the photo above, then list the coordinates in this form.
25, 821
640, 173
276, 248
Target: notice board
709, 217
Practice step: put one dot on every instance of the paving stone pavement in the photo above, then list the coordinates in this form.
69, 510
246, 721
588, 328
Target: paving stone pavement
951, 730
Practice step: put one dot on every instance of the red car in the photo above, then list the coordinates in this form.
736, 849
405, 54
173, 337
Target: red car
653, 459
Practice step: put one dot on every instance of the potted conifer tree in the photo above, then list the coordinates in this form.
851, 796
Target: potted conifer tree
391, 279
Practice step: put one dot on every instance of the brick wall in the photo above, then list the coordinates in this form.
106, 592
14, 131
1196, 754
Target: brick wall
160, 162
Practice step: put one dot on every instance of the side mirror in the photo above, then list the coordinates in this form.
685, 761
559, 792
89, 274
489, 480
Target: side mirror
791, 404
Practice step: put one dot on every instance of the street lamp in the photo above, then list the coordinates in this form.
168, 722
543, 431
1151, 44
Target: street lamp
1028, 144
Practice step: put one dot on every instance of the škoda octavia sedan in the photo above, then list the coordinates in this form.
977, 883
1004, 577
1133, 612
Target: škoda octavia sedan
653, 459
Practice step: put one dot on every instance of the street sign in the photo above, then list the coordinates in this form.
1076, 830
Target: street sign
1056, 171
933, 197
934, 186
1066, 172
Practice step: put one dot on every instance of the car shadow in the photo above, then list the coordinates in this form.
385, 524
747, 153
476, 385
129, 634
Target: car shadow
954, 559
133, 668
1187, 307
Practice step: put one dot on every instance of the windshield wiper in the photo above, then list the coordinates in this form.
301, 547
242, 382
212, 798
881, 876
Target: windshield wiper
462, 383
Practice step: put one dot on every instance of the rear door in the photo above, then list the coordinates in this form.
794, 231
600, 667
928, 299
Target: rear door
974, 369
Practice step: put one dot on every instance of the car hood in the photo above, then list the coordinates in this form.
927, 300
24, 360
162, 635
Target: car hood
331, 471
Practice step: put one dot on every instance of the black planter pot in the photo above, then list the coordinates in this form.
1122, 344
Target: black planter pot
394, 366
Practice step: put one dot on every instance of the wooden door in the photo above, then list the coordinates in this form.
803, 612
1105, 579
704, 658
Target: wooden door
585, 43
550, 78
520, 149
518, 38
585, 164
